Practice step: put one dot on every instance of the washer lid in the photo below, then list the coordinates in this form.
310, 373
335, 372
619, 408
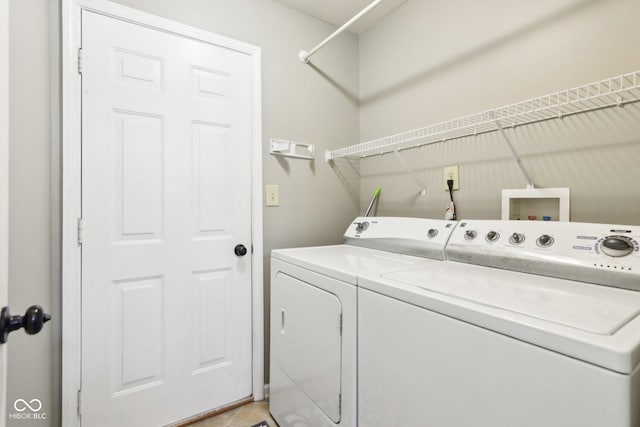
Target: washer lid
595, 309
597, 324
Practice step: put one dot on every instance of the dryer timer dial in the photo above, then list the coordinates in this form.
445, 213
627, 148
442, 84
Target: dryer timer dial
361, 226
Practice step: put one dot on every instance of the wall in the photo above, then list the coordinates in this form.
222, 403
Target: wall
435, 60
4, 182
316, 104
33, 361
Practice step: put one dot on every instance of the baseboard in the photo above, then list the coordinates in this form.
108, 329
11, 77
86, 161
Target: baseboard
266, 391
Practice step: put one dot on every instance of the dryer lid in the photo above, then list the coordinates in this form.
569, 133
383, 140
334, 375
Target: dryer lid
346, 262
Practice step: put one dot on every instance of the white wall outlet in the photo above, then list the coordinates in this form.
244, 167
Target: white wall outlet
272, 196
451, 172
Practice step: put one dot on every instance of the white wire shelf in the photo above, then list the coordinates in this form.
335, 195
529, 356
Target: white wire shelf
611, 92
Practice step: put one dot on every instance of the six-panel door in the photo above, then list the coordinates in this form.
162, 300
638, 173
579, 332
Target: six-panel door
166, 187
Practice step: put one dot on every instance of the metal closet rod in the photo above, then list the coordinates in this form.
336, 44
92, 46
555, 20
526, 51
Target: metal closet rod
304, 55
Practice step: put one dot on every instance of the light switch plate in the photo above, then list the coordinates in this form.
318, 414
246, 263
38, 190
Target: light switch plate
272, 195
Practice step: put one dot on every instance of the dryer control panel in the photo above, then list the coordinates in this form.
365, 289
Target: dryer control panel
410, 236
595, 253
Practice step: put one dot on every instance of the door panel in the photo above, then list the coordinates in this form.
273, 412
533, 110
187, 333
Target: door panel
137, 359
166, 187
209, 344
139, 176
209, 140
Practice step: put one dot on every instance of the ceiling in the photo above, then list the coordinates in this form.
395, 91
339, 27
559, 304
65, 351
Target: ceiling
337, 12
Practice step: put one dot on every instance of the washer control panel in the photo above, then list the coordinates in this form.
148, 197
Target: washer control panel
594, 253
411, 236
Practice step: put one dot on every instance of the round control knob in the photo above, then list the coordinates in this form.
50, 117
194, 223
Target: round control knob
432, 233
361, 226
544, 241
470, 234
492, 236
516, 238
617, 246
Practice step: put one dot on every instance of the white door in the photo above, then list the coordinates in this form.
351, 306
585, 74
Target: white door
4, 188
166, 197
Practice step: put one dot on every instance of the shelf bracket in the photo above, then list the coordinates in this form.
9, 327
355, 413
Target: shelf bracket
524, 172
412, 174
286, 148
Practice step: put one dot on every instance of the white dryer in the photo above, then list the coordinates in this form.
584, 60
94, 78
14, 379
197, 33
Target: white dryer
528, 324
314, 312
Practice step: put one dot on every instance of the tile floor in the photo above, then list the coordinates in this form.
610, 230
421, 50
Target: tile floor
244, 416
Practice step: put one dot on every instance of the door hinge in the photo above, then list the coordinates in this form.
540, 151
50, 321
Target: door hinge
339, 403
80, 69
79, 231
79, 402
340, 327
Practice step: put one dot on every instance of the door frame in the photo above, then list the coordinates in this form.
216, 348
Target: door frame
71, 188
4, 189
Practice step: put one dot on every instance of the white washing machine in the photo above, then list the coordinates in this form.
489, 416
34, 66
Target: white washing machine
528, 324
314, 313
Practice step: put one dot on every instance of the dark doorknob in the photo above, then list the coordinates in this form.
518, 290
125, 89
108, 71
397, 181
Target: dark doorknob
240, 250
32, 321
